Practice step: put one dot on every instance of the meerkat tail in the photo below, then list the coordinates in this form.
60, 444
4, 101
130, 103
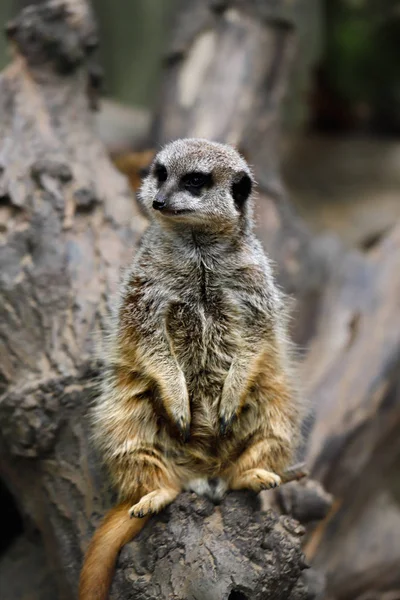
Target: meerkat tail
98, 568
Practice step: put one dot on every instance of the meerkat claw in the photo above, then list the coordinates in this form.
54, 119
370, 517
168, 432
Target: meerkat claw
184, 429
270, 486
137, 515
225, 424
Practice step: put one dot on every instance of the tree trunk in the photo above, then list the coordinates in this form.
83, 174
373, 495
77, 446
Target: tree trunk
68, 226
351, 375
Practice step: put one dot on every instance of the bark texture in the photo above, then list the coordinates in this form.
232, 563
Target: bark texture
68, 227
195, 550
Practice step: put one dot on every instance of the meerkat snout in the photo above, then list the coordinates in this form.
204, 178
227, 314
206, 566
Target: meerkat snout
160, 201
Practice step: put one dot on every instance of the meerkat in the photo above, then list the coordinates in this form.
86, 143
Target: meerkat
198, 391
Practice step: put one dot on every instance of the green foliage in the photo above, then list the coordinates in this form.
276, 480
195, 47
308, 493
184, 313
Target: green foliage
133, 36
6, 11
363, 53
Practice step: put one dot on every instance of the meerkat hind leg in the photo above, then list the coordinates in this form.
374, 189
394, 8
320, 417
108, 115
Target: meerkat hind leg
256, 480
153, 502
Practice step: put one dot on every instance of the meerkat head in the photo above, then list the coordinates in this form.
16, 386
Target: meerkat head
198, 183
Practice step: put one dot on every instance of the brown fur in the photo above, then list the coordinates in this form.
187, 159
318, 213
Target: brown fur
199, 386
116, 530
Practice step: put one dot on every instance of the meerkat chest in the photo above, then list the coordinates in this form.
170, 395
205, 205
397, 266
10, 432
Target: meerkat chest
204, 329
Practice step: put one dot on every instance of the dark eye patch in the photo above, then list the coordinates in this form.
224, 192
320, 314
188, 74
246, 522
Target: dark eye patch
160, 173
194, 182
241, 189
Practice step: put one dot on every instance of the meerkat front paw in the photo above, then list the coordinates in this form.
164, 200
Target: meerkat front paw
148, 505
181, 419
183, 424
176, 402
228, 414
229, 408
256, 480
226, 420
153, 502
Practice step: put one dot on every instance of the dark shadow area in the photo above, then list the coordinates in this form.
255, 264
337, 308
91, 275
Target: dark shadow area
12, 525
237, 595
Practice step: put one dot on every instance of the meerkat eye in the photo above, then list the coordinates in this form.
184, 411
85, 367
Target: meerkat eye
194, 179
161, 173
193, 182
241, 189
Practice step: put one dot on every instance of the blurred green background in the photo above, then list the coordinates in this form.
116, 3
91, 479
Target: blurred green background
133, 35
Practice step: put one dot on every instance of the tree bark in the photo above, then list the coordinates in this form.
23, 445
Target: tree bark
195, 550
352, 380
68, 226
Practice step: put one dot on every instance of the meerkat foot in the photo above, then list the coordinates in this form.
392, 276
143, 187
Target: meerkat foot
256, 480
153, 502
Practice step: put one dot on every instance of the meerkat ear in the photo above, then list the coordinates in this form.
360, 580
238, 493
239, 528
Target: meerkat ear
241, 189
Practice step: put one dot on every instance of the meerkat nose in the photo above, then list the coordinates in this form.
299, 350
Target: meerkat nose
158, 204
160, 201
